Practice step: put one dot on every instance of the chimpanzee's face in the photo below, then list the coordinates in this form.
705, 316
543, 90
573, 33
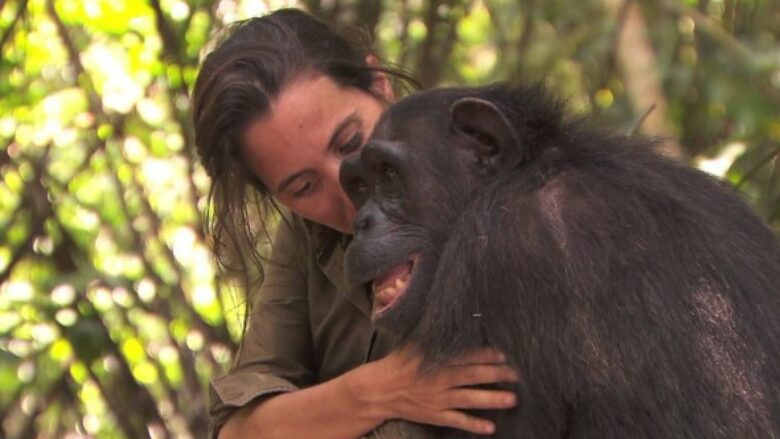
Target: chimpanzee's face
410, 183
393, 246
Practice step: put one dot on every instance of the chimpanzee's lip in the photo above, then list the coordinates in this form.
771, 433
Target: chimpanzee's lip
390, 286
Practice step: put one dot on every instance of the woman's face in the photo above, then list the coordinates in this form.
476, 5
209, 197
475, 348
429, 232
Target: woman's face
296, 148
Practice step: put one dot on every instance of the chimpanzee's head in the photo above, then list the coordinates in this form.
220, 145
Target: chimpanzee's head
428, 156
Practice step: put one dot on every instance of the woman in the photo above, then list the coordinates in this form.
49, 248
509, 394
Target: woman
277, 106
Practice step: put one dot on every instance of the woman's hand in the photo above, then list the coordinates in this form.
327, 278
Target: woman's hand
399, 389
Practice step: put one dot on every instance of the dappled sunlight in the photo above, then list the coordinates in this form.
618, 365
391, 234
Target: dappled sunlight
63, 295
66, 317
108, 67
17, 291
719, 165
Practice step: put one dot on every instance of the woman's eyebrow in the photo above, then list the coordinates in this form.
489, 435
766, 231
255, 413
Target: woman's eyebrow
340, 127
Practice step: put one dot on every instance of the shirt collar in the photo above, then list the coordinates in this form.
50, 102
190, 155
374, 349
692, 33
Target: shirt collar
329, 246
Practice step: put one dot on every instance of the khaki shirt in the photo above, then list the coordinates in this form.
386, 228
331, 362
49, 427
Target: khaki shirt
305, 327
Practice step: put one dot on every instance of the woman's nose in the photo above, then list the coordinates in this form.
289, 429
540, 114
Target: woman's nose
334, 182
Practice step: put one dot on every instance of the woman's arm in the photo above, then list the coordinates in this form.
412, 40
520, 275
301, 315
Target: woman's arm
355, 403
272, 391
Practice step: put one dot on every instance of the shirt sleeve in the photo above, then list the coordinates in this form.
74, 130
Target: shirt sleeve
276, 352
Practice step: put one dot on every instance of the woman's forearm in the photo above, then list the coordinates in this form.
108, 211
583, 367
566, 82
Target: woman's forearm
336, 409
355, 403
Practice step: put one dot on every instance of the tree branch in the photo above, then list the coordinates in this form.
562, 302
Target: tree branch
368, 12
527, 34
173, 49
403, 38
170, 41
761, 163
34, 200
75, 59
712, 29
436, 48
638, 64
638, 124
19, 13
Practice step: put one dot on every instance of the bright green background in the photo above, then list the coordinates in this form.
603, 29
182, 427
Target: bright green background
112, 317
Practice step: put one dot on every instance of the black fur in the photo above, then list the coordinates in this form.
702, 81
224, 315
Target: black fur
637, 297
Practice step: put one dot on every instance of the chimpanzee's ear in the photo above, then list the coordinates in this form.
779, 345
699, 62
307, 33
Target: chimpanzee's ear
493, 138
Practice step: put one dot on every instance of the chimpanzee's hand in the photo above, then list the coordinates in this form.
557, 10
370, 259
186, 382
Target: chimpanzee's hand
401, 390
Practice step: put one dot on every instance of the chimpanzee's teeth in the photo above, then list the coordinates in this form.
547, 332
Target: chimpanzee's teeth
389, 293
393, 290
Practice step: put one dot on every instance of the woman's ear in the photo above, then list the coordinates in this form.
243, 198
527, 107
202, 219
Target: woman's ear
381, 83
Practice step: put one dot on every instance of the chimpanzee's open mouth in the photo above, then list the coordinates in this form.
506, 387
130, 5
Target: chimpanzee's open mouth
389, 287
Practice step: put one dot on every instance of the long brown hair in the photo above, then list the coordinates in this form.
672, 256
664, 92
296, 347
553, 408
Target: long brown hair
251, 63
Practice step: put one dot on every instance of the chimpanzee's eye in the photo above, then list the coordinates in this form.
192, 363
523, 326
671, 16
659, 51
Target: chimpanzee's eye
360, 187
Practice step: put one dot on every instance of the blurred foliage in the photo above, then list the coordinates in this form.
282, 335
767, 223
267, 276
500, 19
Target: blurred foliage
112, 317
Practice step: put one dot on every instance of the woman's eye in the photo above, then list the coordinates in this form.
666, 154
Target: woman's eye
304, 189
351, 145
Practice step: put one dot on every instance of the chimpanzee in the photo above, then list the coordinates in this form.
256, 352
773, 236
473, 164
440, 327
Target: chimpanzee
638, 298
